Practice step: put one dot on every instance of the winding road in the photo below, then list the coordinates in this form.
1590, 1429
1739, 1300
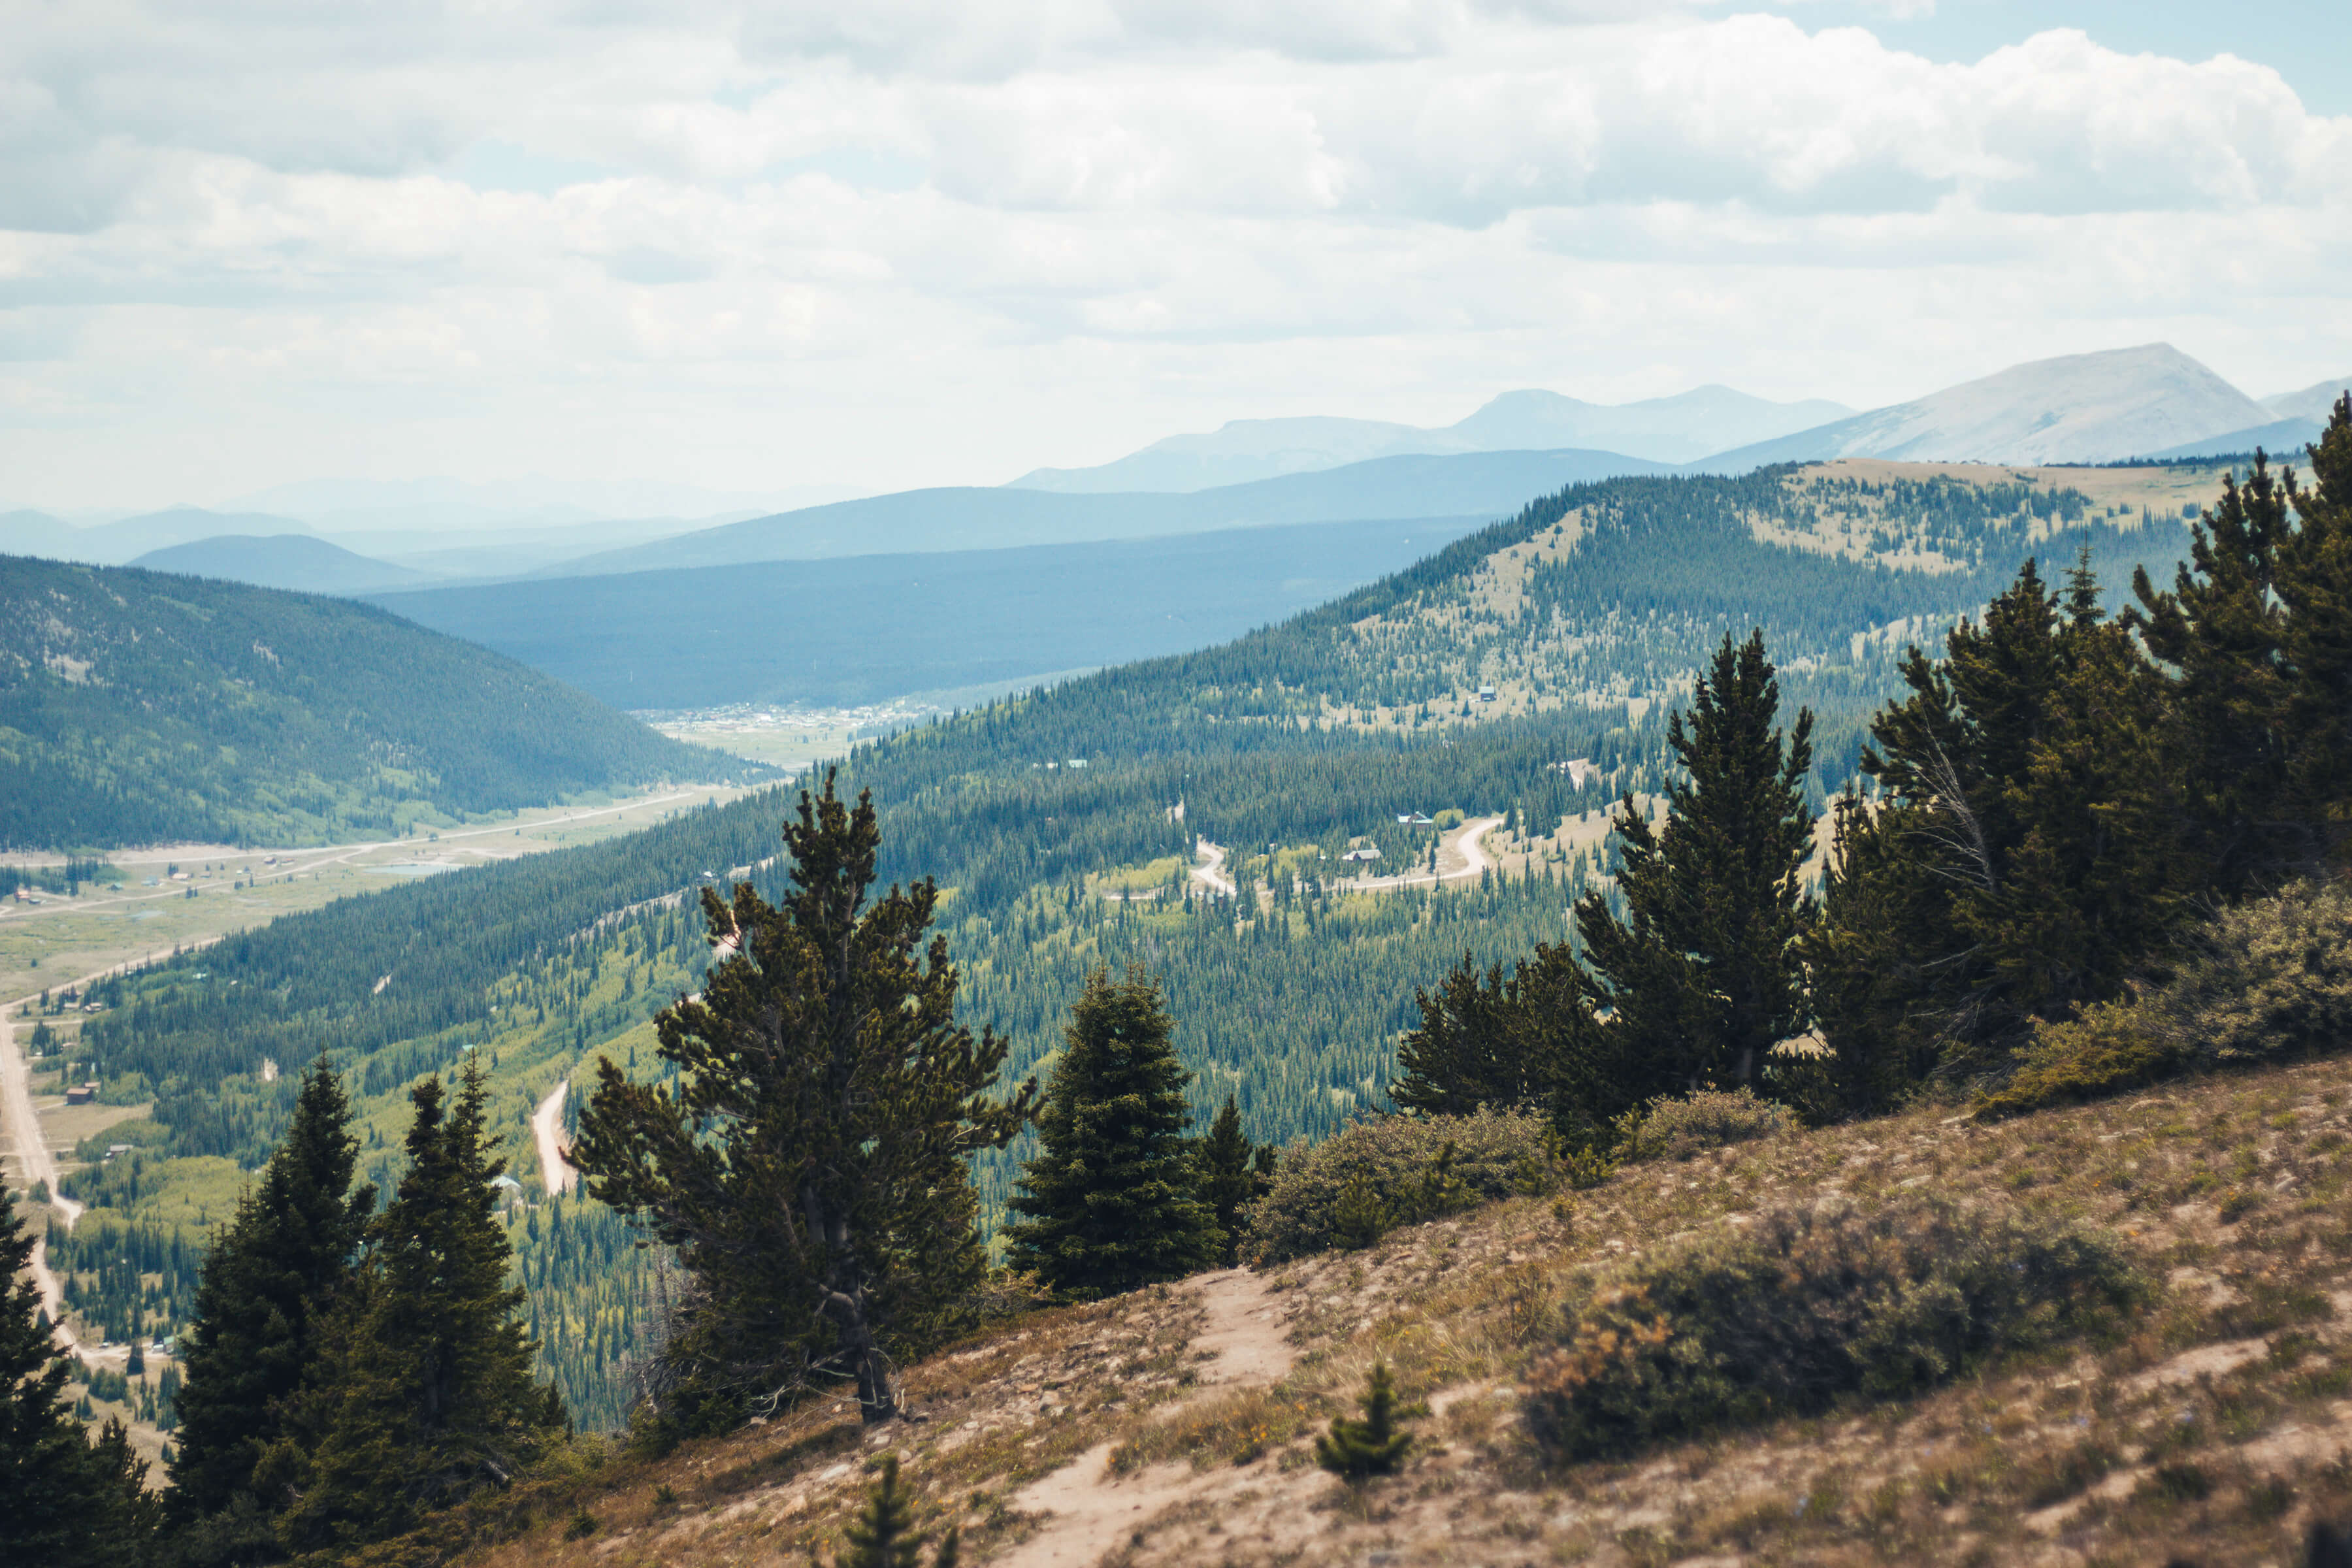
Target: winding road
1467, 841
34, 1160
555, 1171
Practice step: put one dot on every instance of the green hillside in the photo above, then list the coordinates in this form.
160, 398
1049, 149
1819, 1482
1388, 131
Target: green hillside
1287, 747
137, 707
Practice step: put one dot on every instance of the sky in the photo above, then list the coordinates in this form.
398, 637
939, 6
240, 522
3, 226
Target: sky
765, 248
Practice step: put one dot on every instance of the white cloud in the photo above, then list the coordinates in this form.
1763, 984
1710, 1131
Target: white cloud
913, 241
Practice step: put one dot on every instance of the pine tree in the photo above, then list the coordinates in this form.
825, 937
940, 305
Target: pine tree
1701, 975
1356, 1450
810, 1166
2220, 629
2022, 855
272, 1273
884, 1535
1114, 1195
421, 1392
1234, 1175
1526, 1042
63, 1499
2315, 582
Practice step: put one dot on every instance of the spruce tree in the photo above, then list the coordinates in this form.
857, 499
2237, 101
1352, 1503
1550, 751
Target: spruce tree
1114, 1195
883, 1535
1356, 1450
2022, 855
1234, 1175
272, 1273
64, 1499
2221, 630
1701, 975
421, 1391
1528, 1041
810, 1166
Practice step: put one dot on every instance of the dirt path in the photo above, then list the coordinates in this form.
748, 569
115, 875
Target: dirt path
1094, 1512
555, 1171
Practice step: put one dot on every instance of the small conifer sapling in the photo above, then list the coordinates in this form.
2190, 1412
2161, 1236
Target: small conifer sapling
1357, 1450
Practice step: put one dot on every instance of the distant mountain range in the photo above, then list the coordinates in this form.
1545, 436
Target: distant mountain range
2151, 401
1659, 429
295, 561
1480, 484
870, 628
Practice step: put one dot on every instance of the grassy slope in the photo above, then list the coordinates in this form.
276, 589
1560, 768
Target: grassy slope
138, 707
2215, 1428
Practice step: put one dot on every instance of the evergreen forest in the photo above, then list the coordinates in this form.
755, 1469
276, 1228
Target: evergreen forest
138, 707
1061, 827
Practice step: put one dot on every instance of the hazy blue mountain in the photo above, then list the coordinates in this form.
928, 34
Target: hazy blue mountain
439, 505
2312, 402
968, 517
2082, 408
862, 628
2283, 439
29, 532
120, 543
144, 708
1662, 429
296, 560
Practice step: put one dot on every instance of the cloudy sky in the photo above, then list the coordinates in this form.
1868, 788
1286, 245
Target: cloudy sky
886, 243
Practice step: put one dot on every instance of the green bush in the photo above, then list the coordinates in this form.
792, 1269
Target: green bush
2267, 980
1686, 1126
1358, 1184
1802, 1307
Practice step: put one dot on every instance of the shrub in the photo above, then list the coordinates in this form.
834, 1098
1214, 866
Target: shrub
1686, 1126
1788, 1314
2270, 978
1360, 1183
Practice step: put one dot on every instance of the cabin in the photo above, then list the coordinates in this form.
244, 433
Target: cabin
1485, 694
1370, 852
1414, 819
81, 1094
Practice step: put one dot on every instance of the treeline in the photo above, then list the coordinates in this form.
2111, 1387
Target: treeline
143, 707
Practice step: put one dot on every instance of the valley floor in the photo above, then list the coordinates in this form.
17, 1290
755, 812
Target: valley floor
1175, 1426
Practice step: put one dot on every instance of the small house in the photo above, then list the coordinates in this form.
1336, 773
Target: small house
81, 1094
1414, 819
1485, 694
1370, 852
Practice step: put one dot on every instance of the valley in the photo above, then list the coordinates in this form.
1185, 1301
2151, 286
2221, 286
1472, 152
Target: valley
1052, 818
1299, 830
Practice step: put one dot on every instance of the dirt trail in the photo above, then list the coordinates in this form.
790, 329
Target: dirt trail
1094, 1512
555, 1171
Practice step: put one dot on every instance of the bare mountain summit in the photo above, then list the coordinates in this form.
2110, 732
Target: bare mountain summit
2082, 408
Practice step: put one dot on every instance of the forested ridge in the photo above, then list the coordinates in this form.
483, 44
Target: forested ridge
140, 707
1306, 737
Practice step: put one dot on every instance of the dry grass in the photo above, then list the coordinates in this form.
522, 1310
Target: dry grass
2217, 1427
